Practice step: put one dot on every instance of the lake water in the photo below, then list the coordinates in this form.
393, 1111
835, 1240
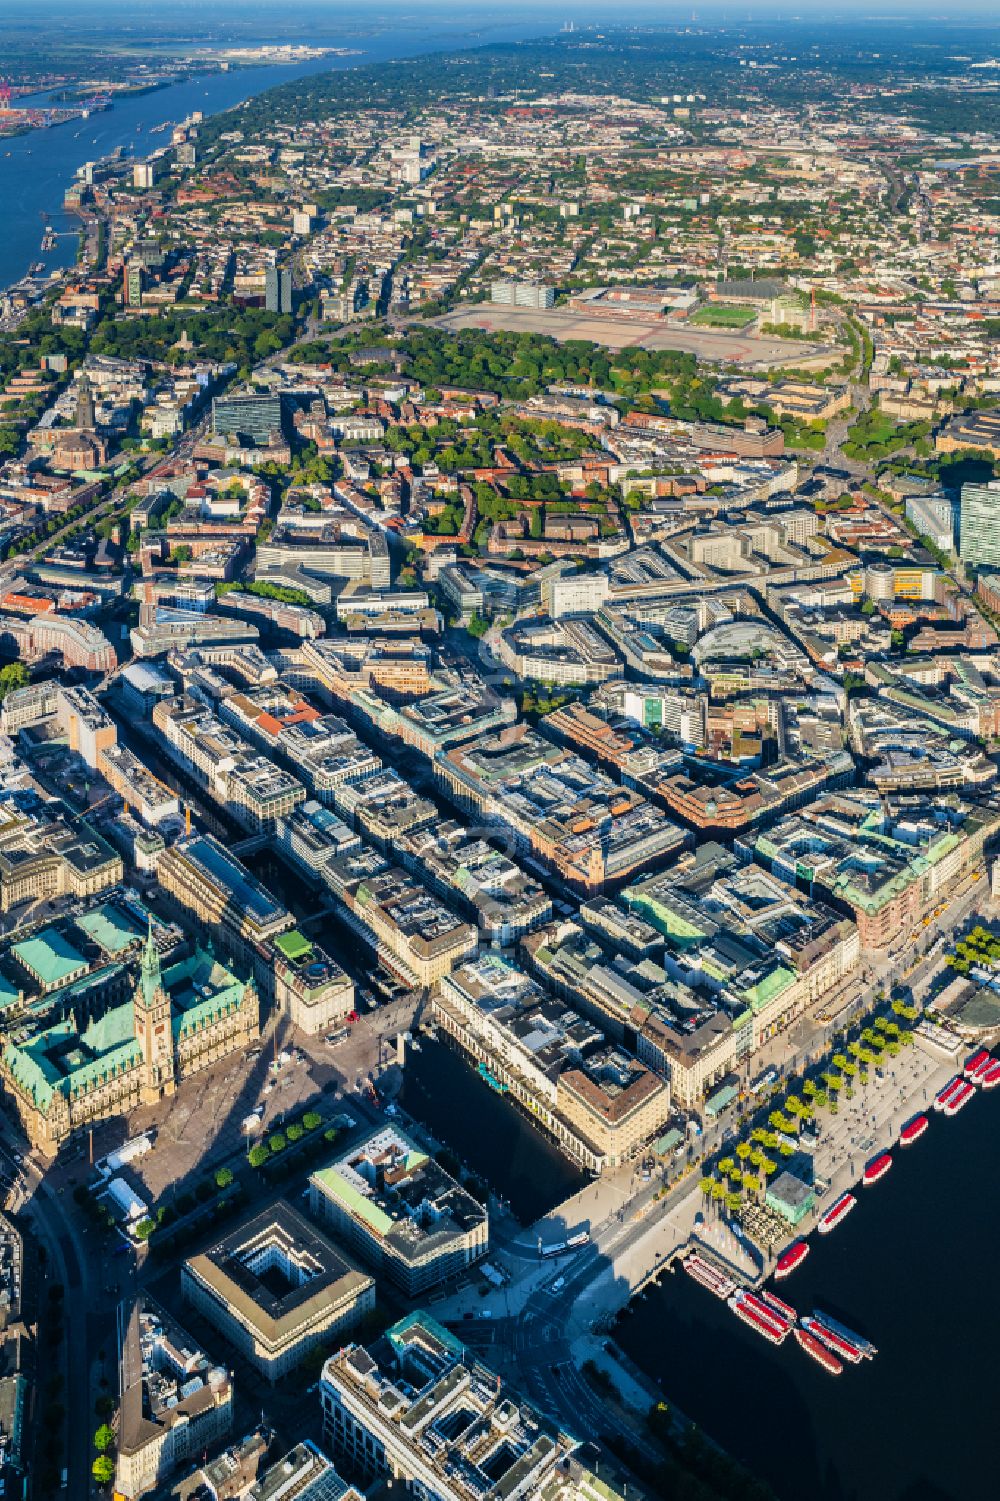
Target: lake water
446, 1094
911, 1270
37, 168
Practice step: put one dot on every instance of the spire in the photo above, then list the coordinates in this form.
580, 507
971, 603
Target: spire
149, 971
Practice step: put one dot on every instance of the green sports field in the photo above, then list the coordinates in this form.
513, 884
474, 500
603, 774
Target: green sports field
718, 316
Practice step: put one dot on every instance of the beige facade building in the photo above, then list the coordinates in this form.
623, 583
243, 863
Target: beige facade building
174, 1404
400, 1211
276, 1288
232, 907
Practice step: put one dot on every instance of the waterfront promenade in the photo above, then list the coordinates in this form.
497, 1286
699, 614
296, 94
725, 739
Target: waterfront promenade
631, 1237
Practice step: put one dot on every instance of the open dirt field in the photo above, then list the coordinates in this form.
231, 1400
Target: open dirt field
618, 333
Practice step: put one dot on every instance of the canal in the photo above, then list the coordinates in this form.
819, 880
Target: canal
911, 1269
444, 1092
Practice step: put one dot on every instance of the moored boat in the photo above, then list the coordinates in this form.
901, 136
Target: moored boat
819, 1353
991, 1078
784, 1309
944, 1095
959, 1098
977, 1064
790, 1258
843, 1348
876, 1169
865, 1346
837, 1212
913, 1130
783, 1322
709, 1276
763, 1323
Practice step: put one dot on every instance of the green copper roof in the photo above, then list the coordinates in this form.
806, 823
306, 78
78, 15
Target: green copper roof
50, 956
108, 926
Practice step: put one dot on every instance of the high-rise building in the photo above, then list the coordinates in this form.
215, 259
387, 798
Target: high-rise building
258, 418
132, 285
277, 290
979, 534
934, 517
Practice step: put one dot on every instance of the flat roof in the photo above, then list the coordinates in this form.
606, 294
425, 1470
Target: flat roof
108, 926
293, 945
325, 1276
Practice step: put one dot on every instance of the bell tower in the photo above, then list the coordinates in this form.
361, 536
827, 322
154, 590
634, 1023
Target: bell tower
151, 1007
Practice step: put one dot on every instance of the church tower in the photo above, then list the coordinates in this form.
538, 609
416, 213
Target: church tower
86, 413
151, 1008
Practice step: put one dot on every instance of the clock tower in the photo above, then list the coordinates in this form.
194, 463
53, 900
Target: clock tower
151, 1007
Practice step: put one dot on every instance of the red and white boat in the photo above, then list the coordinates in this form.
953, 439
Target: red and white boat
831, 1327
790, 1259
786, 1310
841, 1347
763, 1322
914, 1129
836, 1213
876, 1169
977, 1064
709, 1276
959, 1099
944, 1095
991, 1078
819, 1353
776, 1316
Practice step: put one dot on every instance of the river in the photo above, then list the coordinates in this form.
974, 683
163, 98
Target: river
37, 168
914, 1424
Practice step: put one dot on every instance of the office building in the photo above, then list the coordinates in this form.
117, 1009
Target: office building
42, 856
303, 1474
415, 936
933, 516
232, 907
889, 859
309, 987
259, 419
522, 294
174, 1401
276, 1287
979, 525
278, 290
401, 1212
600, 1105
436, 1422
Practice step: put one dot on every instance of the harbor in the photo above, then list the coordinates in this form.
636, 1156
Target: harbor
37, 166
864, 1280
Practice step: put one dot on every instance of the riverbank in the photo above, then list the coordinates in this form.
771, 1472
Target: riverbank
865, 1125
37, 167
890, 1272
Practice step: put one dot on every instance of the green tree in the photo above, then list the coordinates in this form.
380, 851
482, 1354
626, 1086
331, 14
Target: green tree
103, 1469
14, 675
258, 1155
223, 1177
104, 1438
